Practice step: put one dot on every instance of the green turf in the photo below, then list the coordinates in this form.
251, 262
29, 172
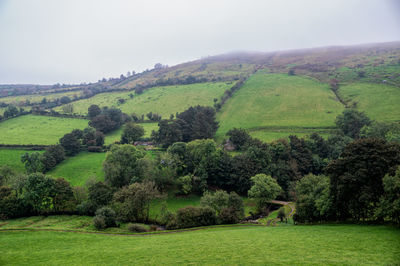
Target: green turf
269, 135
379, 101
259, 245
12, 158
163, 100
279, 100
116, 134
39, 130
78, 169
37, 98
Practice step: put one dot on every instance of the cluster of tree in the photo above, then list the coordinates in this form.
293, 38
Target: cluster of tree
12, 111
106, 119
194, 123
362, 184
43, 162
228, 93
89, 139
153, 116
34, 194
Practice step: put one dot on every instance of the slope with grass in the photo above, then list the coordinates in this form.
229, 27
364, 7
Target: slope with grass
37, 130
273, 102
12, 158
78, 169
379, 101
162, 100
322, 244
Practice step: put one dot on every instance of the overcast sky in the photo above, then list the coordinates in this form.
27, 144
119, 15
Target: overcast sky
73, 41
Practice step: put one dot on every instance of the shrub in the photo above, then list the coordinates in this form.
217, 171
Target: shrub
99, 222
229, 215
281, 214
194, 216
108, 216
137, 228
94, 149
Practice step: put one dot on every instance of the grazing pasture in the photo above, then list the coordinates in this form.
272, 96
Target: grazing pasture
319, 244
379, 101
279, 100
37, 130
12, 158
78, 169
162, 100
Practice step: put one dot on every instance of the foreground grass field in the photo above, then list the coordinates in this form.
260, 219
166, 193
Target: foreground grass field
380, 102
323, 244
279, 100
37, 130
12, 158
78, 169
162, 100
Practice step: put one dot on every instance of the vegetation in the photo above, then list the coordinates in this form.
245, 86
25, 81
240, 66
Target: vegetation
323, 244
281, 101
38, 130
12, 158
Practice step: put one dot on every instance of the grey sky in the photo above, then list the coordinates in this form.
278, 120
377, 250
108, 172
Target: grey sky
73, 41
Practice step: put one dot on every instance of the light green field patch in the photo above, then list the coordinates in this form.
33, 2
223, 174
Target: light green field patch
279, 100
37, 130
379, 101
162, 100
116, 134
269, 135
251, 245
78, 169
12, 158
37, 98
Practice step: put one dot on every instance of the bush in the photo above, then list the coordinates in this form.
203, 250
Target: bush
229, 215
281, 214
99, 222
137, 228
194, 216
94, 149
107, 214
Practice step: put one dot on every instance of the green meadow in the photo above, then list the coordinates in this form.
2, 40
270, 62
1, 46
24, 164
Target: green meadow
37, 98
379, 101
37, 130
116, 134
78, 169
279, 100
246, 245
162, 100
12, 158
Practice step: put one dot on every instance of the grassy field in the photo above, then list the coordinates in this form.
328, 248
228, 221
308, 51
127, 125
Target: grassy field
279, 100
37, 98
380, 102
271, 134
12, 158
78, 169
40, 130
259, 245
116, 134
163, 100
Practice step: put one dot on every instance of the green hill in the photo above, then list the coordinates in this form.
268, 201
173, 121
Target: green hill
279, 102
165, 100
37, 130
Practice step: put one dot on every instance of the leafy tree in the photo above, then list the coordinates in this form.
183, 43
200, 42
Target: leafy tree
120, 165
93, 111
105, 217
356, 177
6, 172
389, 203
10, 111
103, 123
313, 198
70, 144
351, 121
264, 189
33, 162
65, 100
68, 108
239, 137
387, 131
133, 202
57, 152
131, 133
39, 193
63, 200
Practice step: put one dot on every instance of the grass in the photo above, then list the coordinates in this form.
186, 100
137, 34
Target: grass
78, 169
379, 101
20, 100
163, 100
279, 100
12, 158
259, 245
37, 130
116, 134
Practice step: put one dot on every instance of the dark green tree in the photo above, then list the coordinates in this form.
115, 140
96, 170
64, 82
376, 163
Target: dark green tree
70, 144
132, 132
351, 121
